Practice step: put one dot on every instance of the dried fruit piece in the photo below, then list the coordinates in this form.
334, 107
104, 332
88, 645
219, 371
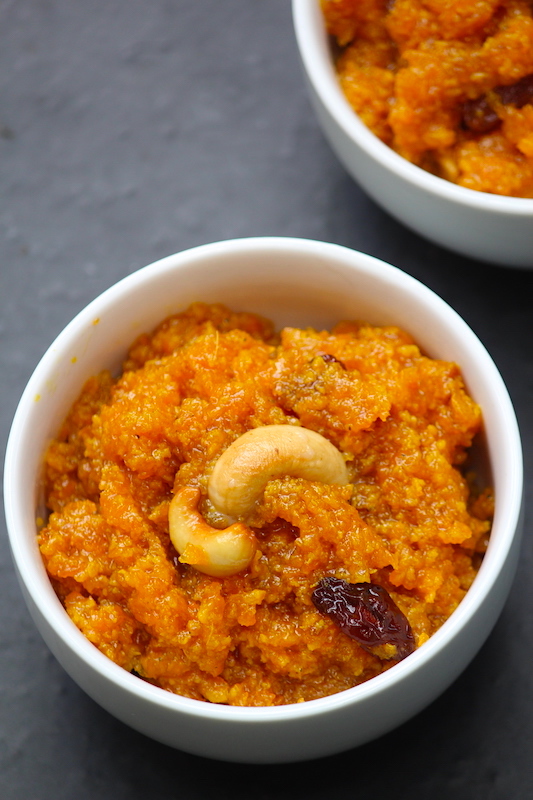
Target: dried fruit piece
478, 116
328, 358
517, 94
365, 612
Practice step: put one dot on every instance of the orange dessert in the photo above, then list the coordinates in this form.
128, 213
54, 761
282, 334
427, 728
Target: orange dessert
448, 84
212, 504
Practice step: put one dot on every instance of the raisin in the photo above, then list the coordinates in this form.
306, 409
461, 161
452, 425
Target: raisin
479, 117
330, 359
278, 528
517, 94
365, 612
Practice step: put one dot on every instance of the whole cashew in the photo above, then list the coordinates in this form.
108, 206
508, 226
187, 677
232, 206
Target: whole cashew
212, 551
243, 470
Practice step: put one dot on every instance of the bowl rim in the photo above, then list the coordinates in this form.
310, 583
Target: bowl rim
312, 42
33, 577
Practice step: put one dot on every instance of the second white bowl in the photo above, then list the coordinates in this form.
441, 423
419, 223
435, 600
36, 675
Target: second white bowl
485, 226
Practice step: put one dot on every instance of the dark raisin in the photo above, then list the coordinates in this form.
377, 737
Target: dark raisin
278, 528
329, 359
365, 612
517, 94
479, 117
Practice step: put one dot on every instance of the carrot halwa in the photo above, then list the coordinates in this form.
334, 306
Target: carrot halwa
408, 524
448, 84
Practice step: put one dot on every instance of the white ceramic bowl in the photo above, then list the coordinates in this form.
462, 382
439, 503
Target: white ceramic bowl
477, 224
297, 282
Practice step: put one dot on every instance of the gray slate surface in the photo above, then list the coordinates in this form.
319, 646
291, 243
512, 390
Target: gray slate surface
132, 129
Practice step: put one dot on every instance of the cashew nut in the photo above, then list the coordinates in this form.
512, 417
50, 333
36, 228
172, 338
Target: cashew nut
238, 479
212, 551
243, 470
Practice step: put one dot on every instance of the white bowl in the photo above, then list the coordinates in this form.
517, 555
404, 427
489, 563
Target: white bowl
477, 224
297, 282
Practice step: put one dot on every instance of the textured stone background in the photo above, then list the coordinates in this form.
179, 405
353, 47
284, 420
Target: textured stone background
132, 129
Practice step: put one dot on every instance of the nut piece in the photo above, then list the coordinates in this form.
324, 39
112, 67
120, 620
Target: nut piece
212, 551
261, 454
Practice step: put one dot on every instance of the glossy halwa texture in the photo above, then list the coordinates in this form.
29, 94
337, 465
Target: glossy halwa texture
433, 78
408, 520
